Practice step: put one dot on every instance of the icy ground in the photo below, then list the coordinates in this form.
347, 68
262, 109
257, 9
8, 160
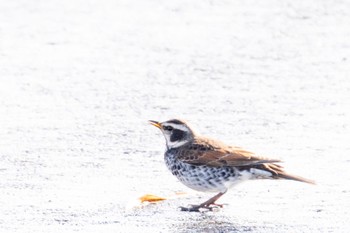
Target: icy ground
79, 79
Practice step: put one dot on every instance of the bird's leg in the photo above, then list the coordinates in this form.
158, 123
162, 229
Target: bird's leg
205, 205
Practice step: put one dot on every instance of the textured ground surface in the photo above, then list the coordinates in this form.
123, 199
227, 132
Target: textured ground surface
79, 80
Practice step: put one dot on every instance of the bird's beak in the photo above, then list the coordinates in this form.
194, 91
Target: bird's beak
155, 123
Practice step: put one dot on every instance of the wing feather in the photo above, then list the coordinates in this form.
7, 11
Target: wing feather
212, 153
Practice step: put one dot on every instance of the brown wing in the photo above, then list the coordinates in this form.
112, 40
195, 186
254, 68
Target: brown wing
212, 153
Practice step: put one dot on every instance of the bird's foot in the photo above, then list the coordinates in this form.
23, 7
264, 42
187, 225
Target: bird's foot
218, 205
202, 208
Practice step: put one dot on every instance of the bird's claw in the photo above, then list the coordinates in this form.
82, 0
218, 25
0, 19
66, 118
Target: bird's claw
201, 208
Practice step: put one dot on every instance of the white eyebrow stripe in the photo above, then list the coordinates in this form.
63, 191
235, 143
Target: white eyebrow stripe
176, 126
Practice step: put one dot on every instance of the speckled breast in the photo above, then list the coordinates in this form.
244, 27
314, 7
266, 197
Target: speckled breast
201, 177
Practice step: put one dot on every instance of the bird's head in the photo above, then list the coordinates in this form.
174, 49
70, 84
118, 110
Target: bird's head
176, 132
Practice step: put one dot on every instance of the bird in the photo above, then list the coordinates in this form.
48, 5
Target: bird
209, 165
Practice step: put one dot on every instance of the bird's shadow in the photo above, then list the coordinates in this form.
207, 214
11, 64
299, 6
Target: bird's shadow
212, 222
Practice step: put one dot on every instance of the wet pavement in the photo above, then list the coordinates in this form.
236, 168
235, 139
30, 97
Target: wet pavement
80, 79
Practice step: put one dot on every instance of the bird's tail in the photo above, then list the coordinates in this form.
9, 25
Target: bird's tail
279, 173
296, 178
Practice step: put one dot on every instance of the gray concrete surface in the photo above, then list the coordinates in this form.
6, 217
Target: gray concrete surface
79, 80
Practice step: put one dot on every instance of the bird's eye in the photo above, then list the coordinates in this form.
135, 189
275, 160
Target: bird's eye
168, 128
